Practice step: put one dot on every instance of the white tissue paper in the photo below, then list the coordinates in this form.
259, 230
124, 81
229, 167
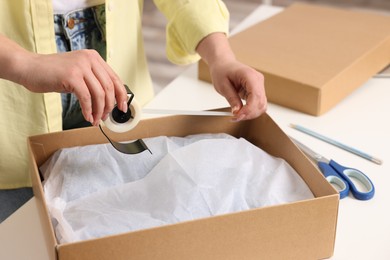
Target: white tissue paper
95, 191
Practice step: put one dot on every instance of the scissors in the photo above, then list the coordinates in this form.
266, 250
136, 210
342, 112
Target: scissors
341, 176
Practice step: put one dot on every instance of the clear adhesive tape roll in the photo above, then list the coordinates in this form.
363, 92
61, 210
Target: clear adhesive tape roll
132, 122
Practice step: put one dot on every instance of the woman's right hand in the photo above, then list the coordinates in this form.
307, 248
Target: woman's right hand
82, 72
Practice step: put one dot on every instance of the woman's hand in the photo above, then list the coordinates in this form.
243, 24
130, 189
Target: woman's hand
233, 79
83, 73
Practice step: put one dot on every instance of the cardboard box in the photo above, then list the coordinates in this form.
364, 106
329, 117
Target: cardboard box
299, 230
313, 56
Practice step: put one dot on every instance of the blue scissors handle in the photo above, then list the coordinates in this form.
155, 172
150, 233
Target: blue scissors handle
350, 173
341, 176
335, 179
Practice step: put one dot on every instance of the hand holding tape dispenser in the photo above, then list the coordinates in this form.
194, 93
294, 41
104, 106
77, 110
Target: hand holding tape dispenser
121, 122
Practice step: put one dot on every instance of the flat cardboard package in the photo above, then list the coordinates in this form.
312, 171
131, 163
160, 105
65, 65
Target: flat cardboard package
299, 230
313, 56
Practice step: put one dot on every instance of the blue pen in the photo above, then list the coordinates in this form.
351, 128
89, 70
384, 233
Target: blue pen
336, 143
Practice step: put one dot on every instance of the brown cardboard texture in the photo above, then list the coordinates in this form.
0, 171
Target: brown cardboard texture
313, 56
299, 230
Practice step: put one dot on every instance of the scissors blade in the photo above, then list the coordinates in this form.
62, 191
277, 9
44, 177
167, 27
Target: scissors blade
330, 173
309, 152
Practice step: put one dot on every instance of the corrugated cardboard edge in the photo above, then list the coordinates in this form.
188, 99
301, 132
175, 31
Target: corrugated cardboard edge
217, 237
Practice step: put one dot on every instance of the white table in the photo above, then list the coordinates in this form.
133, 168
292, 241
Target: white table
363, 230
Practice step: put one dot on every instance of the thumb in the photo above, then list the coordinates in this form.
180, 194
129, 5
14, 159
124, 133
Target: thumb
233, 98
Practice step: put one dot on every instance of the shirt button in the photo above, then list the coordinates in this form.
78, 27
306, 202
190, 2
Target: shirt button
71, 23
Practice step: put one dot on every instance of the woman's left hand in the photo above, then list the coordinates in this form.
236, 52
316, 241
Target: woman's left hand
232, 79
238, 82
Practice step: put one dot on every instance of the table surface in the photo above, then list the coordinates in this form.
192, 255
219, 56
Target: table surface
363, 229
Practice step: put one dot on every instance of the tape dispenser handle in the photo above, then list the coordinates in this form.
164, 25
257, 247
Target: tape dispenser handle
121, 122
118, 115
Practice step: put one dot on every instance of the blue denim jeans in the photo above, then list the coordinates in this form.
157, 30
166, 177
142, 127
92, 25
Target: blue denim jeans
80, 29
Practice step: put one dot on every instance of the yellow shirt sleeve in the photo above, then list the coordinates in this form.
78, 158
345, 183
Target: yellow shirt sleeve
23, 113
189, 21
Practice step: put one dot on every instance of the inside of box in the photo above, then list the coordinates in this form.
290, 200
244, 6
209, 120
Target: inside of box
262, 132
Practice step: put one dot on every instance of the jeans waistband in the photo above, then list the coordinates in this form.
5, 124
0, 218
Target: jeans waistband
75, 21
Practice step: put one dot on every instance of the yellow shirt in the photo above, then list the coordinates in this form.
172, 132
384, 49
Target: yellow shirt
30, 24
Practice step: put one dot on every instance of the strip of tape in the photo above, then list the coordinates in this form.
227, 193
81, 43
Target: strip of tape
185, 112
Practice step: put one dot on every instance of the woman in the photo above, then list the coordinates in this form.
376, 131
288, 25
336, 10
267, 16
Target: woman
43, 52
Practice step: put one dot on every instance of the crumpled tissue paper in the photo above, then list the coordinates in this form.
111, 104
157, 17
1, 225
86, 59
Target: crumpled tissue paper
95, 191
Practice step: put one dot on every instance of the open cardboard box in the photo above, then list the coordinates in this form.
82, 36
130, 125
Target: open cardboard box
312, 56
299, 230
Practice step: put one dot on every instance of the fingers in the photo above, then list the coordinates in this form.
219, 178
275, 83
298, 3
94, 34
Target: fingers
224, 87
81, 72
252, 91
234, 101
243, 83
102, 97
85, 100
254, 107
103, 94
100, 88
120, 92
